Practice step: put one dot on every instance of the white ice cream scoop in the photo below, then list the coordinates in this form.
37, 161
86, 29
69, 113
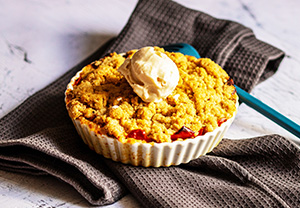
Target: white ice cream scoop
152, 74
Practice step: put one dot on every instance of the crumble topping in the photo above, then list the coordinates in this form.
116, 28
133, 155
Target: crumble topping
102, 99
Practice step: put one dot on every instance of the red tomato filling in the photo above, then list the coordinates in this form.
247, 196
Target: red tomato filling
222, 120
139, 134
77, 81
202, 131
183, 133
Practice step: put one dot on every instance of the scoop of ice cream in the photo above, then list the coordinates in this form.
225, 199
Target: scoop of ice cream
151, 74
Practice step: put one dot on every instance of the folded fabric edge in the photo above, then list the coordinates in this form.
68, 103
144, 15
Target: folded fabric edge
60, 170
17, 167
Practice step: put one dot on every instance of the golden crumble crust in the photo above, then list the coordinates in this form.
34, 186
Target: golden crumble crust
102, 99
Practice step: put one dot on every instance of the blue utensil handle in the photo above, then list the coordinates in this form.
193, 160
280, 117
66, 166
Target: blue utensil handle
268, 112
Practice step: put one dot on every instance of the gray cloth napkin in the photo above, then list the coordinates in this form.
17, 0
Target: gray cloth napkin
39, 138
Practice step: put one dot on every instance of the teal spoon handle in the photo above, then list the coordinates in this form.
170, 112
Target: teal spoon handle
268, 112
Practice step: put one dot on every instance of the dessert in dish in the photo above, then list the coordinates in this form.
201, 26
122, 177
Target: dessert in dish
150, 107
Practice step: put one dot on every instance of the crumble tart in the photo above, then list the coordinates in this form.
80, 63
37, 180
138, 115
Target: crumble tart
115, 122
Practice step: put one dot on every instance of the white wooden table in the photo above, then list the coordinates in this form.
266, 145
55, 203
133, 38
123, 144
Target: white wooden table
41, 40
